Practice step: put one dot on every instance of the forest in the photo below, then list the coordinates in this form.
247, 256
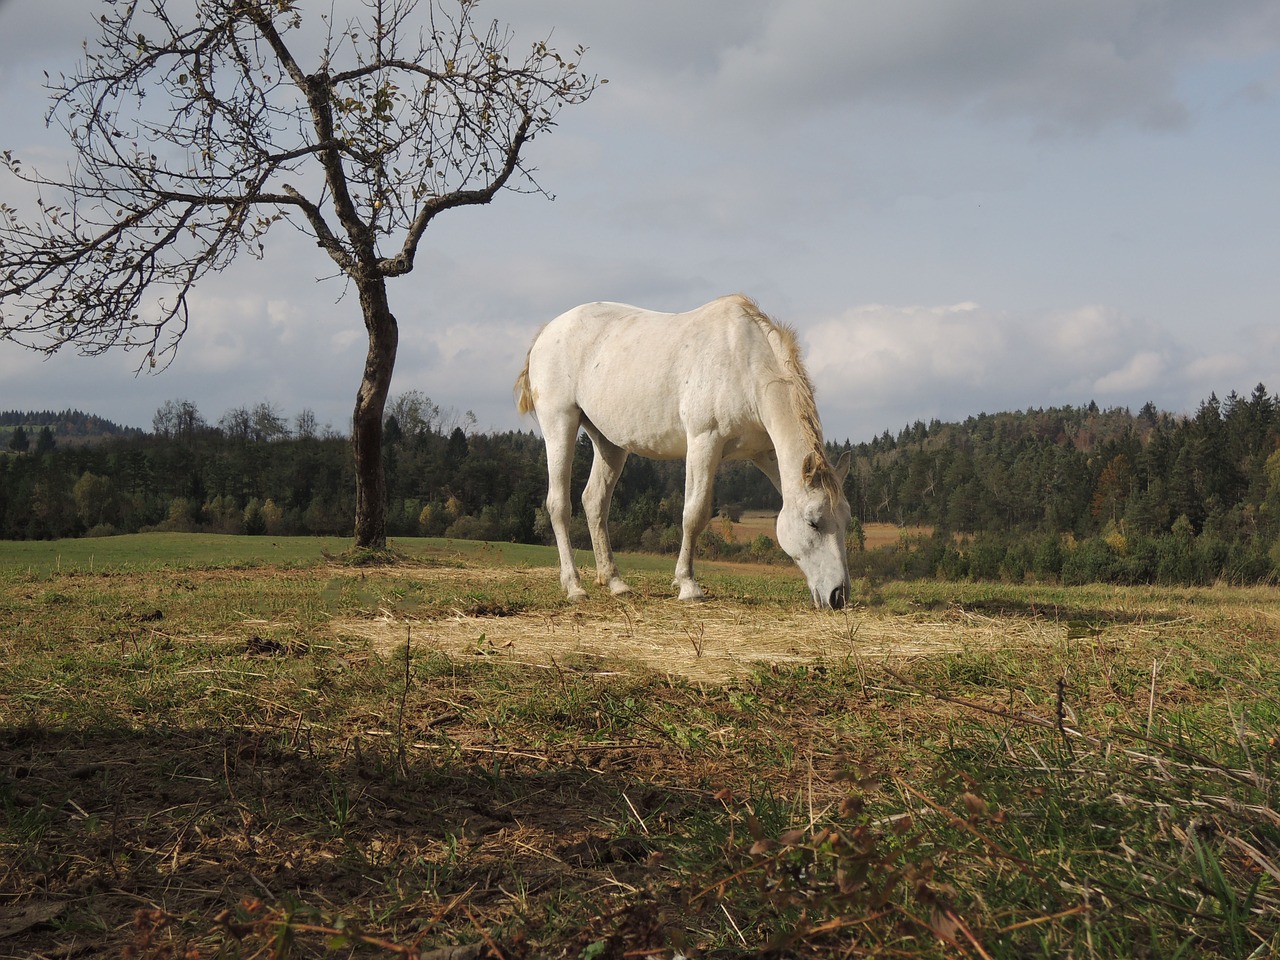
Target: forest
1063, 494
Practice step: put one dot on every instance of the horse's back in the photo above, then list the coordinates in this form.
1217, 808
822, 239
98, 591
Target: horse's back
595, 336
647, 379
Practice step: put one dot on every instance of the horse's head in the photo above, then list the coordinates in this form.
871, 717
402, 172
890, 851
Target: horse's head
812, 527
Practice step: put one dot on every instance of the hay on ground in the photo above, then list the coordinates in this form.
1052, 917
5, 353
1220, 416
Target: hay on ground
714, 640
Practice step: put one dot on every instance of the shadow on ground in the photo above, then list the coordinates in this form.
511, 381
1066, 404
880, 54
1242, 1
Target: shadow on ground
100, 824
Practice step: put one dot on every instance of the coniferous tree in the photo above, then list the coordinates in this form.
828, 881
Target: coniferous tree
18, 440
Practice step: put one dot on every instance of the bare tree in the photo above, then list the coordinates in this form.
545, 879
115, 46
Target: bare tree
193, 139
268, 423
414, 412
237, 424
178, 420
304, 424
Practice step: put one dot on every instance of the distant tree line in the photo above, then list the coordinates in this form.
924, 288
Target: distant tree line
19, 429
1080, 494
1070, 494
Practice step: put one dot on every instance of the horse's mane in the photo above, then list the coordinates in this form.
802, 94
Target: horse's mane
782, 337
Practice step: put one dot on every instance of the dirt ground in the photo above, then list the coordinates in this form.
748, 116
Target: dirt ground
714, 640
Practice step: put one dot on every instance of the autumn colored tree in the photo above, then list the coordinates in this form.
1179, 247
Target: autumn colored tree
1112, 489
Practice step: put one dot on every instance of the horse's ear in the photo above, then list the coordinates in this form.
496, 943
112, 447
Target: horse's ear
809, 469
842, 466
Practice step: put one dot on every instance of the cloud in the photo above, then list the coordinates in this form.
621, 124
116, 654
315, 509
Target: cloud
876, 365
876, 347
1217, 367
1142, 372
468, 366
1072, 67
1089, 339
868, 170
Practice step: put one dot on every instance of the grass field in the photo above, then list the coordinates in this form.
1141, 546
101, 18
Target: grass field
246, 747
755, 522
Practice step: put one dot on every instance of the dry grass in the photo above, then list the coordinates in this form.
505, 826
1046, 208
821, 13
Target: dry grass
756, 522
714, 641
251, 762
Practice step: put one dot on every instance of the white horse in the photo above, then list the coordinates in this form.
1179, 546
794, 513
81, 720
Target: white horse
719, 382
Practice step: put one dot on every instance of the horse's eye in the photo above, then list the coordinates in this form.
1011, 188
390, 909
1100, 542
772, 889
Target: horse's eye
814, 524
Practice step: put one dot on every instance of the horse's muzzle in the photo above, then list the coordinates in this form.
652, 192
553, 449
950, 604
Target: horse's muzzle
839, 597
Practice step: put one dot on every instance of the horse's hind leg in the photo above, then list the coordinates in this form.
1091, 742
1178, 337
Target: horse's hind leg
606, 467
559, 433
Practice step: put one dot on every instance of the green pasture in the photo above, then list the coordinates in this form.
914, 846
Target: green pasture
203, 752
175, 551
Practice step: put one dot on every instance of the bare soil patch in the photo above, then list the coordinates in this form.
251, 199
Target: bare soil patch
714, 640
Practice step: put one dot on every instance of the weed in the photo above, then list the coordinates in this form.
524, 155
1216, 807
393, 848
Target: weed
697, 636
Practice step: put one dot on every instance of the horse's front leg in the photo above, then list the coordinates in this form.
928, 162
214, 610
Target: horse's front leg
699, 485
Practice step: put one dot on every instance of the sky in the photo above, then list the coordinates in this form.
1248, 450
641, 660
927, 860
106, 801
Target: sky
962, 206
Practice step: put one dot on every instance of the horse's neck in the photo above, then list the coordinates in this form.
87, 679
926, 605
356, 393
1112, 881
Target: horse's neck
791, 442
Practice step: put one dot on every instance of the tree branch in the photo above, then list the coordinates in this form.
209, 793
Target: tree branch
190, 145
402, 262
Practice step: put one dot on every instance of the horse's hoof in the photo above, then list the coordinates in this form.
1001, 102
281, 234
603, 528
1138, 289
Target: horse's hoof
619, 588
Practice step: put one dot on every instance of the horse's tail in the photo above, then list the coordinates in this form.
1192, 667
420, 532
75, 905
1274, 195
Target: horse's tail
523, 392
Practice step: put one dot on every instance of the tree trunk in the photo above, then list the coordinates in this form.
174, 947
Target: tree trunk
366, 423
